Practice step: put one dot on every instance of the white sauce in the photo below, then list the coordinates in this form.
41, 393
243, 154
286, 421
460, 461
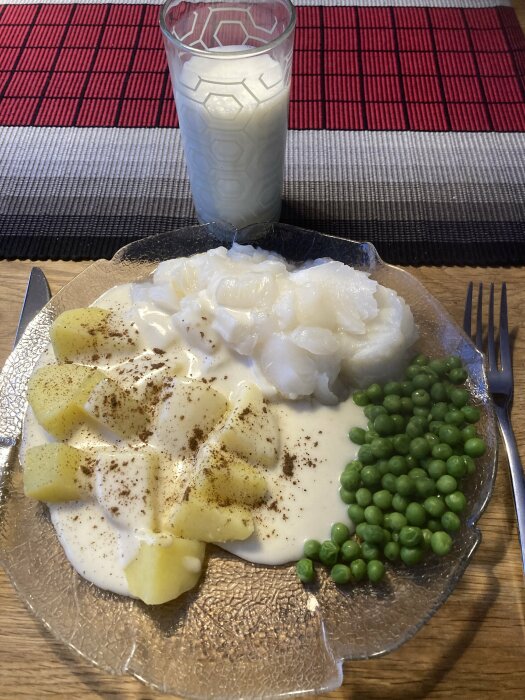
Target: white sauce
303, 500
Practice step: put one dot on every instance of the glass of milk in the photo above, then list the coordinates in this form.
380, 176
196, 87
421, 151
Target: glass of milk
230, 66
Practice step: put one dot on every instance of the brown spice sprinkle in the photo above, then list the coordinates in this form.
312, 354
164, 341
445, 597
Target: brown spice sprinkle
288, 463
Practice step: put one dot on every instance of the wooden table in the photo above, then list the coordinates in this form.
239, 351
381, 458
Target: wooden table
473, 648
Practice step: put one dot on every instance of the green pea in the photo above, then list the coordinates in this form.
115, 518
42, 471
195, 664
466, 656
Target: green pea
454, 417
456, 501
350, 550
469, 431
311, 549
354, 464
388, 482
340, 574
411, 555
360, 398
350, 478
405, 485
475, 447
382, 499
406, 405
410, 536
372, 411
427, 536
412, 371
395, 521
422, 381
370, 551
399, 503
450, 521
438, 366
456, 466
434, 427
365, 455
363, 496
440, 409
328, 553
446, 484
407, 388
374, 393
397, 465
305, 570
420, 397
356, 513
436, 468
453, 361
384, 425
457, 375
425, 487
399, 422
391, 551
383, 467
375, 570
433, 524
417, 473
419, 448
416, 514
438, 392
392, 403
421, 412
434, 506
370, 476
357, 436
347, 496
358, 569
381, 447
441, 543
442, 451
391, 388
471, 414
373, 534
431, 438
459, 397
374, 515
339, 533
401, 444
414, 429
471, 465
450, 435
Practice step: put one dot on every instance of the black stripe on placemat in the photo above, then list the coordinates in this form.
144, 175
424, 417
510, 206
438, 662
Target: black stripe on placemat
398, 242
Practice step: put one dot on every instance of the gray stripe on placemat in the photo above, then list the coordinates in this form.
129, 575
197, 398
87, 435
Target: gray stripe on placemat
332, 174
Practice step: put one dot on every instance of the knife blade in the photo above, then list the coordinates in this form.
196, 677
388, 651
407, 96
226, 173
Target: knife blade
37, 296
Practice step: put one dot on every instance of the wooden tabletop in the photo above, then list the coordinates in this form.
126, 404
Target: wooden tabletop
474, 647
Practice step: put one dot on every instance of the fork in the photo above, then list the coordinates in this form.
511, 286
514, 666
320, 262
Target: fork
501, 387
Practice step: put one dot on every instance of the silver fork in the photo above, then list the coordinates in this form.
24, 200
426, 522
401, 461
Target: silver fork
501, 388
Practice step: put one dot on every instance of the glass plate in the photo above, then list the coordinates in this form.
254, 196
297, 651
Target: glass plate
246, 631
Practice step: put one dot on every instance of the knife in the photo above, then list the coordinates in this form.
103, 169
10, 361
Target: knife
37, 296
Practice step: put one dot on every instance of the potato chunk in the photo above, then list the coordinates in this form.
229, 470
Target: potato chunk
188, 411
161, 572
116, 409
57, 393
125, 483
226, 478
250, 429
54, 473
199, 519
77, 333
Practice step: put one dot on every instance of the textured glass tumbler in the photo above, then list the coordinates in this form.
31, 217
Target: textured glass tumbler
230, 66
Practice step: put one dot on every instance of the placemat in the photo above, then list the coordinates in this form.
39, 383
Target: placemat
407, 129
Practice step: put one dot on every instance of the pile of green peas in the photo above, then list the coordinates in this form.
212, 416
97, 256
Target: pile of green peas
403, 491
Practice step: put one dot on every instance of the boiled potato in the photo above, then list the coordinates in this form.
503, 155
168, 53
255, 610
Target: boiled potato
125, 484
56, 393
251, 429
198, 519
226, 478
77, 333
116, 409
56, 472
188, 410
163, 571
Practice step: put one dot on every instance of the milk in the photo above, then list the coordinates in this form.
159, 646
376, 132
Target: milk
233, 115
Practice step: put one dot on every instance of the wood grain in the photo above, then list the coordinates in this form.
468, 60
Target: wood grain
473, 647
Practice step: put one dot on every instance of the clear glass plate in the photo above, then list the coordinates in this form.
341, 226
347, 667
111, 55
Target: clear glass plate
246, 631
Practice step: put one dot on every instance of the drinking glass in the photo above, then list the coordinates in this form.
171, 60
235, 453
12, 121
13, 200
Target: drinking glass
230, 67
